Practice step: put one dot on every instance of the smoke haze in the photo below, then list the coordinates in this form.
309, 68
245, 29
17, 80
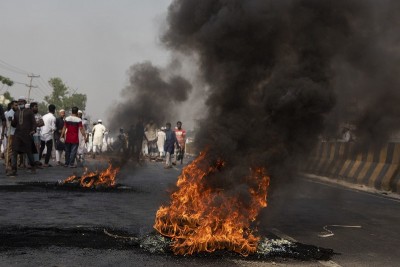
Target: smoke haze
152, 94
278, 74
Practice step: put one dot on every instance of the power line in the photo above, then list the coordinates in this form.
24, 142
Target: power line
40, 93
18, 70
14, 67
47, 85
38, 97
44, 86
41, 90
19, 83
11, 70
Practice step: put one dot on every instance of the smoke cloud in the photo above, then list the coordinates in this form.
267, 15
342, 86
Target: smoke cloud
280, 72
152, 94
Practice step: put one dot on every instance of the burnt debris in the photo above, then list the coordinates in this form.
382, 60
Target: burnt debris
12, 238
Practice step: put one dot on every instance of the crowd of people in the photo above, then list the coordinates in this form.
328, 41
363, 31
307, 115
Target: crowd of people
146, 140
29, 139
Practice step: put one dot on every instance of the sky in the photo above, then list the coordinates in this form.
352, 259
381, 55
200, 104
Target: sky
89, 44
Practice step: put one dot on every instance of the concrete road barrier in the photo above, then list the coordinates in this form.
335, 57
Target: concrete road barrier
374, 167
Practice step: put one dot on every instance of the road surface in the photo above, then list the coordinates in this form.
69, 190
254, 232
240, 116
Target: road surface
51, 227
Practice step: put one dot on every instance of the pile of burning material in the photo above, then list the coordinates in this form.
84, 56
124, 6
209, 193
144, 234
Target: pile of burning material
204, 219
15, 237
267, 248
96, 179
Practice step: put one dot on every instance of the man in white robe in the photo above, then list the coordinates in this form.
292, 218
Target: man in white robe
98, 135
161, 141
82, 148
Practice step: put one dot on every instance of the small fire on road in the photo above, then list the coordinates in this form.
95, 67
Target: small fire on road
205, 219
91, 179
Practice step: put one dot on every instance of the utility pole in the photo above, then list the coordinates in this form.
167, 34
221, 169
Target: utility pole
31, 86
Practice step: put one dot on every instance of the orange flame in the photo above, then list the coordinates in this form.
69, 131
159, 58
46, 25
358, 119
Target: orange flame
201, 219
105, 178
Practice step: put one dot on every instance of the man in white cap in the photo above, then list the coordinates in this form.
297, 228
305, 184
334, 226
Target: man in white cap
98, 135
82, 139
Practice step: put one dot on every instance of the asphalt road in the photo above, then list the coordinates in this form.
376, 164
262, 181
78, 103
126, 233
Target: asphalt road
45, 226
365, 226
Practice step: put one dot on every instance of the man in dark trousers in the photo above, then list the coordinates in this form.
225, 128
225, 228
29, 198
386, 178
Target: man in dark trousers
169, 146
60, 147
47, 134
72, 126
181, 136
25, 125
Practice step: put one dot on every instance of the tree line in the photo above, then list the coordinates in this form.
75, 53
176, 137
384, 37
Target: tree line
61, 96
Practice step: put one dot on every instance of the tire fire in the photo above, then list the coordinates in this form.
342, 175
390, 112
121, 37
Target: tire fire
90, 179
203, 219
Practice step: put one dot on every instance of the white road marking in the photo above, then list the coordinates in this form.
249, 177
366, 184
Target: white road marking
285, 236
329, 233
329, 263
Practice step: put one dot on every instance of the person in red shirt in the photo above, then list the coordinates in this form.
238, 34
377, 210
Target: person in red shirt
70, 131
181, 137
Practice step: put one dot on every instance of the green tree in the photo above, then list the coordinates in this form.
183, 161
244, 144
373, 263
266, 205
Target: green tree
6, 81
62, 98
75, 100
8, 96
5, 99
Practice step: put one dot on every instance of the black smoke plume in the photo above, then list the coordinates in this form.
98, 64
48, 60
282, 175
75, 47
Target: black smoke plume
280, 72
152, 94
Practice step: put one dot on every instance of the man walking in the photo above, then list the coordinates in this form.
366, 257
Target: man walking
25, 126
98, 135
170, 141
70, 131
36, 136
161, 141
151, 137
122, 144
181, 137
60, 147
46, 134
82, 149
